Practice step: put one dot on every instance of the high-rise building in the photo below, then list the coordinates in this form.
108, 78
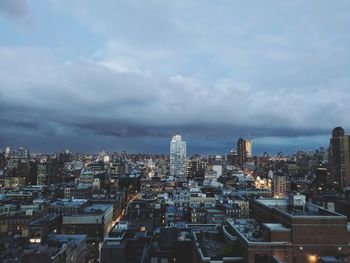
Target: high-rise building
232, 158
177, 156
248, 148
8, 152
279, 182
42, 173
339, 158
244, 151
321, 176
2, 160
241, 154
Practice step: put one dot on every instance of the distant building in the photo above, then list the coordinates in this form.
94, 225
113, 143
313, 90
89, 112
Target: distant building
151, 185
279, 185
248, 148
68, 206
232, 158
8, 152
42, 173
177, 156
339, 158
50, 172
78, 192
196, 169
86, 177
244, 151
321, 177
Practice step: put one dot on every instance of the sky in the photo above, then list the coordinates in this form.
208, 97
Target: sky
127, 75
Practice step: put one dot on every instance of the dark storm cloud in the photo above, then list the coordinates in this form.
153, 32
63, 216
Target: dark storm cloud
193, 130
93, 100
20, 124
276, 72
14, 8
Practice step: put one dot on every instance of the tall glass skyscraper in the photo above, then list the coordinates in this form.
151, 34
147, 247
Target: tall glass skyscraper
177, 156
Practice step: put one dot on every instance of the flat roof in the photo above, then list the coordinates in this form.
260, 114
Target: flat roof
69, 202
276, 227
249, 228
212, 245
308, 210
96, 207
273, 202
44, 219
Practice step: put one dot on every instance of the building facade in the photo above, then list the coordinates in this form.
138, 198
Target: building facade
177, 156
279, 183
339, 158
244, 151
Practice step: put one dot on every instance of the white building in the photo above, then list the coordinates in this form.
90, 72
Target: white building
86, 177
177, 156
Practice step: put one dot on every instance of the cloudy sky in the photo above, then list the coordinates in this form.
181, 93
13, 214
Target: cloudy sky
126, 75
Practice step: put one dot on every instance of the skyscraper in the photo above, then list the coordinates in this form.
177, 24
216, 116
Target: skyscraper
177, 156
248, 148
244, 151
339, 158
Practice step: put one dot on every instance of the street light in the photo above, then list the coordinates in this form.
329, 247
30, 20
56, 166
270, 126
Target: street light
312, 258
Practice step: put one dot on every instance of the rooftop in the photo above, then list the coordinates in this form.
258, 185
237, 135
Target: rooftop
307, 210
97, 208
214, 246
69, 202
249, 228
44, 219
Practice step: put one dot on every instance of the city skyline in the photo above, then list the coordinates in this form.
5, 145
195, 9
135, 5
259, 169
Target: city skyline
124, 75
232, 145
162, 131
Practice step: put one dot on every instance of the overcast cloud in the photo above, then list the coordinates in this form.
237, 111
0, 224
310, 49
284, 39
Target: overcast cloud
115, 75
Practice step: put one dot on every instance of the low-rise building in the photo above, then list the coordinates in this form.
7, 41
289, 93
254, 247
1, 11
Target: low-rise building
57, 249
95, 221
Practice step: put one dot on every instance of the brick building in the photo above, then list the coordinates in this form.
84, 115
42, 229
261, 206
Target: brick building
290, 231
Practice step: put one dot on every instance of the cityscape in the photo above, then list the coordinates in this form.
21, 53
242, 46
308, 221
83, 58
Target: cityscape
162, 131
120, 207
